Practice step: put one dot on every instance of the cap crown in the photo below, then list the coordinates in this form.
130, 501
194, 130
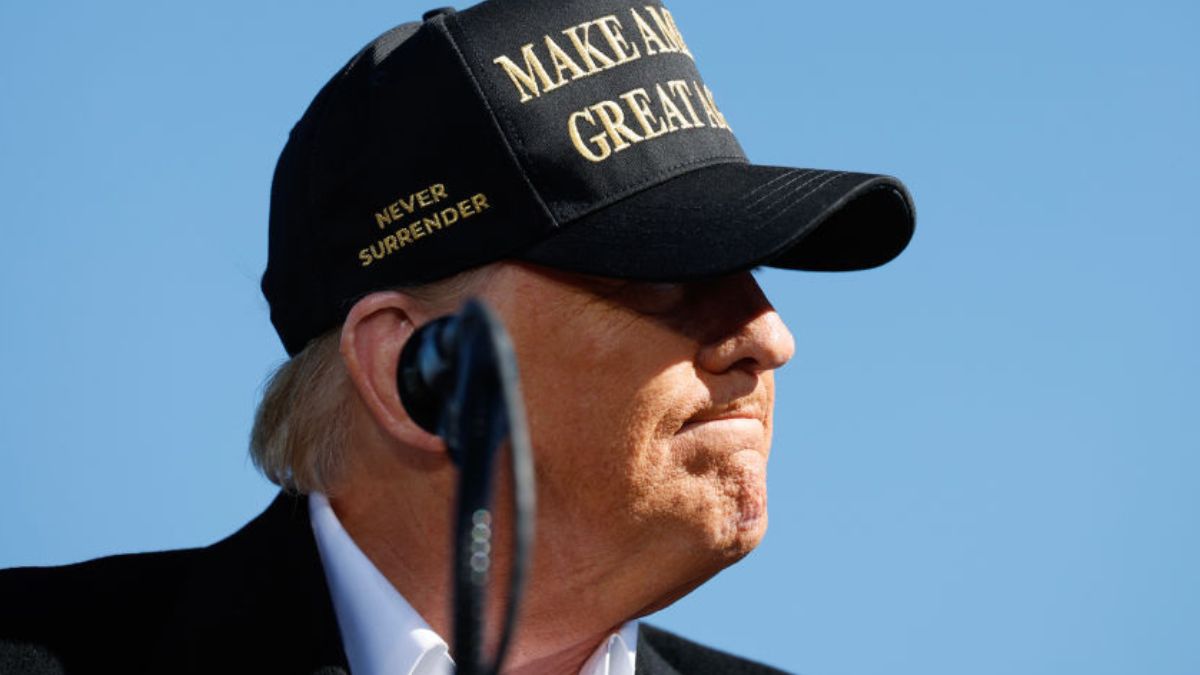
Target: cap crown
461, 140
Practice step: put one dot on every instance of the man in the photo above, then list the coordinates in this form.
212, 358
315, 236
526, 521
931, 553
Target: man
565, 163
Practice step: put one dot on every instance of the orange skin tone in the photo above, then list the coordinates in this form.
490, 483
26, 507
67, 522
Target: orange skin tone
650, 409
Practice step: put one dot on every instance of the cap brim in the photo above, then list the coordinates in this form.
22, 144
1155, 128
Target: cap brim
732, 217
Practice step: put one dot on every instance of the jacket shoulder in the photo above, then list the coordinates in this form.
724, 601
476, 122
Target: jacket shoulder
255, 601
29, 591
86, 610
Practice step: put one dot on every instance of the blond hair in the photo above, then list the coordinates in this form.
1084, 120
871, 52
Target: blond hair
302, 425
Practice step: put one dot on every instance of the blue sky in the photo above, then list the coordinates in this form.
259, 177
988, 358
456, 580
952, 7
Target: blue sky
987, 452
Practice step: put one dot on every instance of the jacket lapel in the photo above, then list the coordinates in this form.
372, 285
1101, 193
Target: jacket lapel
649, 660
662, 653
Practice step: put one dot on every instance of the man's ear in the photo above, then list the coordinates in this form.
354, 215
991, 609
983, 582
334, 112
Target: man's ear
373, 334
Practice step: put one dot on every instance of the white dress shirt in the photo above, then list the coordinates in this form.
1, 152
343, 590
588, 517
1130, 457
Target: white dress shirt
384, 635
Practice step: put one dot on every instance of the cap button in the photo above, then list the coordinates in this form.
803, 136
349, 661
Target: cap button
435, 13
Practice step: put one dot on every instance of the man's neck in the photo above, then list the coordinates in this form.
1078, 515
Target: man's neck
569, 609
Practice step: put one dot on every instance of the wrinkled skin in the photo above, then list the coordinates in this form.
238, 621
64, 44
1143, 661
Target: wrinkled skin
650, 407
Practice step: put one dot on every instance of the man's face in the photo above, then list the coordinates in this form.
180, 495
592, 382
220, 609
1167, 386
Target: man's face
650, 411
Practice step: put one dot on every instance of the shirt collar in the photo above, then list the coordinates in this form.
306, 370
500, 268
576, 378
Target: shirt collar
383, 634
615, 656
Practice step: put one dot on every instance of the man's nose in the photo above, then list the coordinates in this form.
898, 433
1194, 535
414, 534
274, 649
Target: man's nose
750, 335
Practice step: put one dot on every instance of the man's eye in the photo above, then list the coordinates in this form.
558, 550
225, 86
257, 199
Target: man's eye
654, 298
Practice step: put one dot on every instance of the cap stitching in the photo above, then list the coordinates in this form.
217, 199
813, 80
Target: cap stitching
808, 194
572, 212
500, 124
532, 170
786, 174
709, 209
805, 176
789, 194
501, 119
642, 218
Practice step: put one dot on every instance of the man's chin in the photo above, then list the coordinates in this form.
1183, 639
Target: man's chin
676, 593
746, 494
734, 535
716, 558
741, 537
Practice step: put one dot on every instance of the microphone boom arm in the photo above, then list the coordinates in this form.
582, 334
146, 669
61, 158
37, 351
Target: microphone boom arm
458, 378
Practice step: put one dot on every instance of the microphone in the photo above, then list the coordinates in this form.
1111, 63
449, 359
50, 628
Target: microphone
457, 378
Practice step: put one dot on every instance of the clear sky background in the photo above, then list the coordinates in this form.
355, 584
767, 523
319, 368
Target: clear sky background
988, 454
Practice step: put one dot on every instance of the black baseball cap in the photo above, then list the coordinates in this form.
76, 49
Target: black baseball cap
576, 134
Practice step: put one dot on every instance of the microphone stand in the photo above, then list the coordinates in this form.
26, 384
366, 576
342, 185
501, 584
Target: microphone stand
485, 409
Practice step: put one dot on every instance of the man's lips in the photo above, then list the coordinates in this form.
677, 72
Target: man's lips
744, 412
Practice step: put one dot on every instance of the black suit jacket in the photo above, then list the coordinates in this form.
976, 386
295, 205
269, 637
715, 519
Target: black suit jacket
255, 602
